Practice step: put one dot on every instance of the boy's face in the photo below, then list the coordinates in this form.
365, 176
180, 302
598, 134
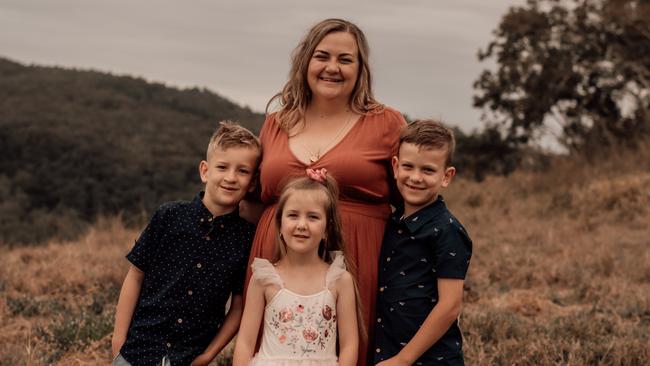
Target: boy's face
420, 175
228, 175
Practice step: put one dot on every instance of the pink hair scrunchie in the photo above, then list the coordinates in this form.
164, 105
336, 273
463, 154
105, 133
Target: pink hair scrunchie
319, 175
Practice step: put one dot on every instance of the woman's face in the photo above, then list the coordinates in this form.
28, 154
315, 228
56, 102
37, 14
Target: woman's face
334, 67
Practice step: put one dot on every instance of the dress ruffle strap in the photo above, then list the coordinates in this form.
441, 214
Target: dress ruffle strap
265, 273
336, 270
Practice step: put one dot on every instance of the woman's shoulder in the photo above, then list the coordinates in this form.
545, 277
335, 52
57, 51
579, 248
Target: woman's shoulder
386, 114
270, 127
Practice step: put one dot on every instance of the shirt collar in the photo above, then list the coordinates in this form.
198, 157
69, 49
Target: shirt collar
415, 221
205, 214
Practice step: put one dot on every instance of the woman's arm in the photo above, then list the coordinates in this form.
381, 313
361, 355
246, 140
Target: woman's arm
346, 311
225, 334
250, 324
129, 296
251, 211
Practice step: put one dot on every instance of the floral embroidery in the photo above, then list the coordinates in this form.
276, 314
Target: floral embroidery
286, 315
327, 312
304, 327
309, 334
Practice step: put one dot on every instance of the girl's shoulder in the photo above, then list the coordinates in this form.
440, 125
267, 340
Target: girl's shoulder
265, 273
337, 271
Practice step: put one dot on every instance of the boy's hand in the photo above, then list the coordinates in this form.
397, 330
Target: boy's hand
393, 361
202, 360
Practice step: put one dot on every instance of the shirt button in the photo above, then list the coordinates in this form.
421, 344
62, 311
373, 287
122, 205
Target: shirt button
388, 259
189, 292
399, 231
179, 320
221, 226
207, 237
378, 350
201, 220
210, 219
413, 238
378, 320
381, 289
169, 345
198, 265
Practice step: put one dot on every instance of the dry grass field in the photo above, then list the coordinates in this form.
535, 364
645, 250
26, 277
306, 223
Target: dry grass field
560, 274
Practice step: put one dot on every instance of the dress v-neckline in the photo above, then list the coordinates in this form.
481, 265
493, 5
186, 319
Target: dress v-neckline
322, 156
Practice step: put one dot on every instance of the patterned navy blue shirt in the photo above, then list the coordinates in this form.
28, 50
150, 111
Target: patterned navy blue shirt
416, 251
192, 262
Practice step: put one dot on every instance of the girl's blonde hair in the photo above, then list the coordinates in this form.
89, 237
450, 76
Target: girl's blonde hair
296, 95
333, 240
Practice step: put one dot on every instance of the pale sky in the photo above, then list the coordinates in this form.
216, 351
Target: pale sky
423, 52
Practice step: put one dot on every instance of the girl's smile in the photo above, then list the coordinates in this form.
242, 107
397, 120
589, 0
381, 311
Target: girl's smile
304, 222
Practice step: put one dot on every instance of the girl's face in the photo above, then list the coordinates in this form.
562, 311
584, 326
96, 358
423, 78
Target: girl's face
304, 221
334, 67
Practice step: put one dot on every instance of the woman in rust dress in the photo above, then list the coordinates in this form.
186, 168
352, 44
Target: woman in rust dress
328, 118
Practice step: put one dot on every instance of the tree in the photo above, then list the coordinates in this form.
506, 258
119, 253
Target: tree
577, 67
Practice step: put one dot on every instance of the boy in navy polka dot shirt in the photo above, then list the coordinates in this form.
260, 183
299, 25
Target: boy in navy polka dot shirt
424, 257
188, 261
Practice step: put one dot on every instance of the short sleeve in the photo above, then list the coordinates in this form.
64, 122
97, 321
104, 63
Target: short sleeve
395, 123
336, 270
145, 248
265, 273
453, 251
266, 126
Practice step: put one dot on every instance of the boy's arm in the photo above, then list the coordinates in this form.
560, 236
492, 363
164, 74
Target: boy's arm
250, 324
443, 315
346, 310
125, 306
225, 334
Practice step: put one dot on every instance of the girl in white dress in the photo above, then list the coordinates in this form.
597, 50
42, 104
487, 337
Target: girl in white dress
305, 297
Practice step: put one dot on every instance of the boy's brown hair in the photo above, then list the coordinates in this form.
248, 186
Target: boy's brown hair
230, 134
430, 134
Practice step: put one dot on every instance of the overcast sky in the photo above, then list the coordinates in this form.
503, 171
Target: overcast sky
423, 52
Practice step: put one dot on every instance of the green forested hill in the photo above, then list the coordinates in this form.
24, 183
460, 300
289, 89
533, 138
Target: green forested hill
75, 145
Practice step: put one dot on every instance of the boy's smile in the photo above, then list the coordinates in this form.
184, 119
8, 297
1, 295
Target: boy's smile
228, 175
420, 174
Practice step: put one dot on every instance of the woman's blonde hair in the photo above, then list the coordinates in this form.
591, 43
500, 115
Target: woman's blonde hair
333, 240
296, 95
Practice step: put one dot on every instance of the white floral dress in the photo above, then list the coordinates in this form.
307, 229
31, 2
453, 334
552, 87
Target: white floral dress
298, 329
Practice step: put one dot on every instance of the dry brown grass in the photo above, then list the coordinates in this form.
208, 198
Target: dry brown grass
560, 274
561, 267
58, 300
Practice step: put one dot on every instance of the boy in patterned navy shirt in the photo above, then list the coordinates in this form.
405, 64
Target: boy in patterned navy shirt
424, 257
188, 261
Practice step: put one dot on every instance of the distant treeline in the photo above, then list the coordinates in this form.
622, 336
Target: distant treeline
75, 145
78, 144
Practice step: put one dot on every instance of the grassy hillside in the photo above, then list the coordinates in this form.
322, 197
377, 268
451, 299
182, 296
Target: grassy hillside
78, 144
560, 273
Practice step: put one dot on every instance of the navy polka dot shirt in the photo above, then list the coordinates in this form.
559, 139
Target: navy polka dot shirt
416, 251
192, 262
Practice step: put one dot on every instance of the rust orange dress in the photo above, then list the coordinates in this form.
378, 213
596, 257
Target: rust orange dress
360, 163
